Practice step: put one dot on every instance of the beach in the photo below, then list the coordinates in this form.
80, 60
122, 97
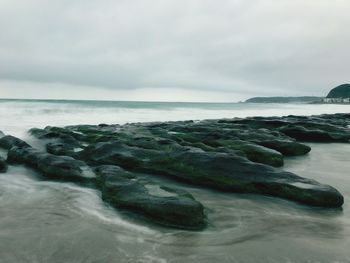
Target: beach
48, 221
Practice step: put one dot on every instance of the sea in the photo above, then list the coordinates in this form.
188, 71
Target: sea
43, 221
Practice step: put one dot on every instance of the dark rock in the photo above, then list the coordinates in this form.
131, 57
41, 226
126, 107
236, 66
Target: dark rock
222, 154
260, 122
220, 171
8, 141
3, 165
236, 174
321, 128
120, 188
241, 144
255, 153
303, 134
51, 166
162, 204
58, 134
115, 153
60, 148
243, 138
287, 148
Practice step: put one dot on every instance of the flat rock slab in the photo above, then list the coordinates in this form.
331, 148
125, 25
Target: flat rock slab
162, 204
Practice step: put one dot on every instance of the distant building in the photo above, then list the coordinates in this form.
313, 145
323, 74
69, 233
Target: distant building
340, 94
336, 100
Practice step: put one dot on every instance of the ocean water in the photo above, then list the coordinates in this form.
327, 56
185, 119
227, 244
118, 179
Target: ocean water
20, 115
42, 221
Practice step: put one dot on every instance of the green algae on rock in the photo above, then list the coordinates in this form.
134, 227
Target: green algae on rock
120, 188
165, 205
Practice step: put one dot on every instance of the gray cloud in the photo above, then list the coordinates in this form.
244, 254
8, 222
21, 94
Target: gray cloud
238, 47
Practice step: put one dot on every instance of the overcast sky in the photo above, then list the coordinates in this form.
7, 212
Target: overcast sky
177, 50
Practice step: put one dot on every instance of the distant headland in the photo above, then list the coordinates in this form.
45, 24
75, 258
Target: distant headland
304, 99
339, 94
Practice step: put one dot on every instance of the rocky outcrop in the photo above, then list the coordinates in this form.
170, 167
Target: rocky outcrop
303, 134
225, 155
236, 174
122, 189
321, 128
221, 171
231, 155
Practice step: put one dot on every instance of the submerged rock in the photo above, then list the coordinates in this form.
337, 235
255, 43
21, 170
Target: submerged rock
3, 165
162, 204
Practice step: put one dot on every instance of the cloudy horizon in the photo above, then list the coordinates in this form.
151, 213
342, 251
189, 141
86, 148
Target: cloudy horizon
161, 50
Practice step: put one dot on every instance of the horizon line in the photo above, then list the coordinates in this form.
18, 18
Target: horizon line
104, 100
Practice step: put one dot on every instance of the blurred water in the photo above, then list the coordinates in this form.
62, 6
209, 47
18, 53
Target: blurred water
60, 222
17, 116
